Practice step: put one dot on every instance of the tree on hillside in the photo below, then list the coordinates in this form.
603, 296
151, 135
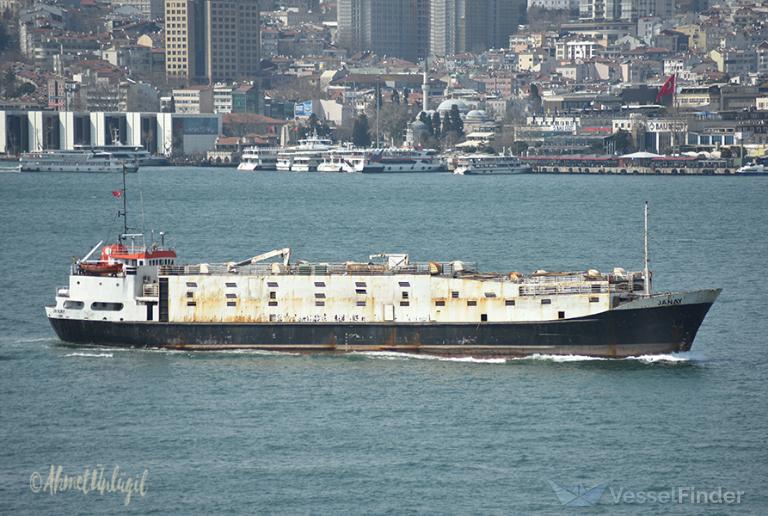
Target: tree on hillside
436, 124
394, 120
446, 125
361, 134
457, 124
622, 141
315, 126
427, 121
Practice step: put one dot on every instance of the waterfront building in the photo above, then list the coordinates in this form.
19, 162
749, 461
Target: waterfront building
160, 133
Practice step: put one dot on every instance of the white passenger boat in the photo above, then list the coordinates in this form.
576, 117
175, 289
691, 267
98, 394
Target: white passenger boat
74, 161
349, 161
473, 164
307, 162
259, 158
753, 170
406, 160
129, 154
313, 147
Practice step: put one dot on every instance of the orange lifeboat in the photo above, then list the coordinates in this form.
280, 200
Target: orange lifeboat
101, 268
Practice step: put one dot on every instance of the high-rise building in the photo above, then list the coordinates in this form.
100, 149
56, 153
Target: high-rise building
232, 39
212, 40
184, 40
387, 27
472, 25
152, 9
631, 10
608, 10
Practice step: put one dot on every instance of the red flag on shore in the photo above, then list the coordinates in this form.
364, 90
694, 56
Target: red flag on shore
668, 88
117, 193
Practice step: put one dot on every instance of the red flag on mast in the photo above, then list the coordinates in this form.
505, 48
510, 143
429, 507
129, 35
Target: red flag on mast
117, 193
668, 88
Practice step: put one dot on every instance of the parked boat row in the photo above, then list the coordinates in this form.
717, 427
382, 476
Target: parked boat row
319, 155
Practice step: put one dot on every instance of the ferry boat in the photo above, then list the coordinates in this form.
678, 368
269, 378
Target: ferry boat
129, 154
83, 160
406, 160
258, 158
350, 161
313, 147
139, 296
475, 164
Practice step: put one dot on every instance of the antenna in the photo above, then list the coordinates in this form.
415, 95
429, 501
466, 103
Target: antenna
646, 260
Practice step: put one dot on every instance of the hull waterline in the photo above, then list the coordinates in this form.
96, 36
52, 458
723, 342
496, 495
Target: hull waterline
614, 333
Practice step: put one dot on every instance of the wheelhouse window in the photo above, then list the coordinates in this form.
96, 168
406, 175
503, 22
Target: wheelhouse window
73, 305
106, 307
439, 303
471, 302
319, 284
509, 302
272, 284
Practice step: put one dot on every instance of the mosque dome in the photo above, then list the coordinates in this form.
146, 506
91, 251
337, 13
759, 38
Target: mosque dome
446, 106
477, 115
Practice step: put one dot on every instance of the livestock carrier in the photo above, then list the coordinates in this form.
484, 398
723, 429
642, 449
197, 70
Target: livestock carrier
138, 295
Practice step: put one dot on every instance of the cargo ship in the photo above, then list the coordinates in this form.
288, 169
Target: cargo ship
138, 295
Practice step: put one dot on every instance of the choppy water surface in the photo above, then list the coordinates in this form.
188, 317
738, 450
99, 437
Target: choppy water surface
257, 432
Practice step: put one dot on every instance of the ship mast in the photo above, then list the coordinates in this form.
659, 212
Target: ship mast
646, 260
124, 213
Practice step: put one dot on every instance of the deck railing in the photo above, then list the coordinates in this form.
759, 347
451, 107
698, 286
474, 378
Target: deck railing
316, 269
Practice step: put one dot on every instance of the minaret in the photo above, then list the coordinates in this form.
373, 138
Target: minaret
425, 87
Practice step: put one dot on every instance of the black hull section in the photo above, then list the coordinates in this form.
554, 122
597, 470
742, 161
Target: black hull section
616, 333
